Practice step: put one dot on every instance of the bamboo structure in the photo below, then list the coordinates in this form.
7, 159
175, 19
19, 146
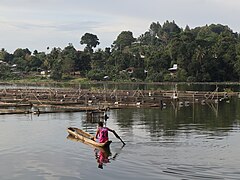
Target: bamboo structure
76, 99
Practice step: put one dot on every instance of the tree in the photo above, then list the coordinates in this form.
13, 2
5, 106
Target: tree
125, 38
154, 28
83, 62
90, 40
56, 71
207, 53
5, 56
21, 52
51, 58
4, 72
237, 63
69, 58
171, 28
168, 30
34, 63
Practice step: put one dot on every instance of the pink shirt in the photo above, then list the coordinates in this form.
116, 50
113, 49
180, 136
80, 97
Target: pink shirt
103, 134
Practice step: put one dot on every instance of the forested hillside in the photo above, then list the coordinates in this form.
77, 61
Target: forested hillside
203, 54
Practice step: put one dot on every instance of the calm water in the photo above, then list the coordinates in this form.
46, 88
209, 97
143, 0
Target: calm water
194, 142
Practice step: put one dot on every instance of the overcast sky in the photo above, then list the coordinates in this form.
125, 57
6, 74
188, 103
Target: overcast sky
56, 23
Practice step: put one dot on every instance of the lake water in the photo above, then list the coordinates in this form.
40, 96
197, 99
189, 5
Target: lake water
194, 142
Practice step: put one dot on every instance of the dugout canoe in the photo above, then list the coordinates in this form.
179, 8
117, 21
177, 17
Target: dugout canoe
105, 150
86, 137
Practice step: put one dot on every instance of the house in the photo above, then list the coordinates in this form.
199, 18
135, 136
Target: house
45, 73
130, 70
3, 63
174, 68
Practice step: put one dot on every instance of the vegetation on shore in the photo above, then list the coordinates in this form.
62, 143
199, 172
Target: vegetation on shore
203, 54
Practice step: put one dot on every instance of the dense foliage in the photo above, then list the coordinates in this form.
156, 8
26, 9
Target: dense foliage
208, 53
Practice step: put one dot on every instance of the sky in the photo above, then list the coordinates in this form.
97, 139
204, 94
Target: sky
37, 25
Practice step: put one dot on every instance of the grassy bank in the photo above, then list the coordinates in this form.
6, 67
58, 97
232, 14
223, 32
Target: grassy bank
83, 82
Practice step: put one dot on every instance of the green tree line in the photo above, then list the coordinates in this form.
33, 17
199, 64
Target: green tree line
203, 54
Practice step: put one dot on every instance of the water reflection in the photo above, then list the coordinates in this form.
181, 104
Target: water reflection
102, 155
217, 119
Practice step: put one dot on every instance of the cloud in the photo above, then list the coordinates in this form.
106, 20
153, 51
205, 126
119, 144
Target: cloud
58, 22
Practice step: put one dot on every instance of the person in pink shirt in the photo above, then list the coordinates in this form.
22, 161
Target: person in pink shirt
102, 133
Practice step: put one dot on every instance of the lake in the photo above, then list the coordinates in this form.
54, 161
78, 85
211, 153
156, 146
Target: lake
188, 142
